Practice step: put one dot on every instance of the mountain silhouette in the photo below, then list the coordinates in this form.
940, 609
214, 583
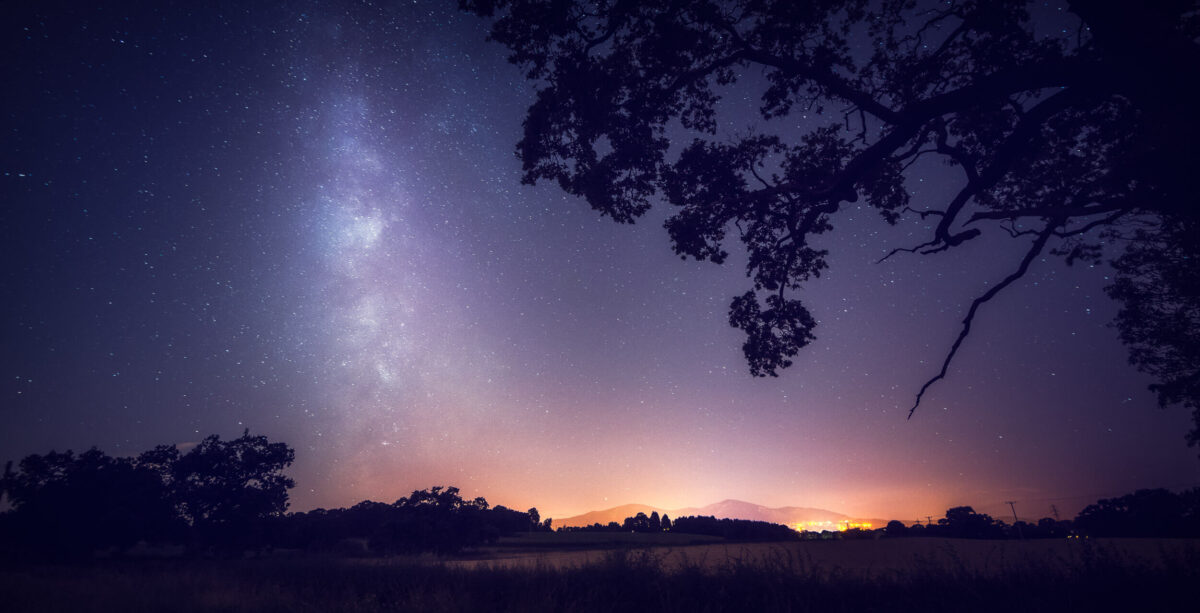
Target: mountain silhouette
812, 518
617, 514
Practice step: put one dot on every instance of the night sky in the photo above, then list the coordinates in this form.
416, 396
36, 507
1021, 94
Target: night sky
308, 221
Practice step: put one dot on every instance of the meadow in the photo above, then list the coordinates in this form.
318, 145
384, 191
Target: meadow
915, 574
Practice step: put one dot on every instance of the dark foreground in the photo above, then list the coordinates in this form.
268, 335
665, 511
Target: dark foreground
1094, 577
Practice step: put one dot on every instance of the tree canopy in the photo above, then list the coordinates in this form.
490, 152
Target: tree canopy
1071, 132
222, 496
219, 491
66, 502
221, 482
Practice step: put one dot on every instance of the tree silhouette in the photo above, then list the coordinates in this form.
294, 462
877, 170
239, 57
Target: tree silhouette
65, 503
222, 496
1158, 287
637, 523
438, 519
219, 491
1145, 513
434, 520
1065, 142
734, 529
225, 489
964, 522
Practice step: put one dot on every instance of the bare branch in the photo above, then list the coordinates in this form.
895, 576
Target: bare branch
1005, 156
1036, 249
914, 119
754, 172
1025, 129
938, 249
1095, 224
1012, 230
1064, 211
914, 157
923, 212
906, 250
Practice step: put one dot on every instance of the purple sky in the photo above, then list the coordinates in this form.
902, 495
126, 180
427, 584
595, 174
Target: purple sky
308, 222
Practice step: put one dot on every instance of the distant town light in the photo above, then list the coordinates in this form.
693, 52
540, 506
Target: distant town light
828, 526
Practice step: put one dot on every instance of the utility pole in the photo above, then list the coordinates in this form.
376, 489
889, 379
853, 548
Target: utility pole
1054, 509
1012, 504
928, 520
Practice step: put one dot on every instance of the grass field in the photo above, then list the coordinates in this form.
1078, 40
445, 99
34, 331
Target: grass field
873, 557
599, 540
886, 575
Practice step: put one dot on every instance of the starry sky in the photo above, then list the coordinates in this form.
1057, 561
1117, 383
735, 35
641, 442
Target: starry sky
306, 220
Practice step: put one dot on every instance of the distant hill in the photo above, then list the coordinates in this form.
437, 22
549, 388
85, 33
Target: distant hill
788, 516
617, 514
804, 517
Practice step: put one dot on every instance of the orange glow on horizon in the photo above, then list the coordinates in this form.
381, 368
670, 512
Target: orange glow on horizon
828, 526
853, 525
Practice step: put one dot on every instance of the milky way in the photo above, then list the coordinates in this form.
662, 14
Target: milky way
307, 221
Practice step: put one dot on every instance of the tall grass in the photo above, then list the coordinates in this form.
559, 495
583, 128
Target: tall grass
1093, 579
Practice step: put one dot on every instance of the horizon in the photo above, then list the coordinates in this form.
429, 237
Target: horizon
1065, 506
307, 220
1068, 506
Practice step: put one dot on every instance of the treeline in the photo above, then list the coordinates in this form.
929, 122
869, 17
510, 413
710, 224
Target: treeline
223, 498
1145, 513
731, 529
1151, 513
437, 520
638, 523
228, 497
218, 494
735, 529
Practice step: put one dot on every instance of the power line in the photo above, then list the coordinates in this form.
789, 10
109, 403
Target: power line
1012, 505
1095, 496
1108, 494
1016, 522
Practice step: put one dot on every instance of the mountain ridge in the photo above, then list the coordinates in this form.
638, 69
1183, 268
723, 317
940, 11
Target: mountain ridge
811, 518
